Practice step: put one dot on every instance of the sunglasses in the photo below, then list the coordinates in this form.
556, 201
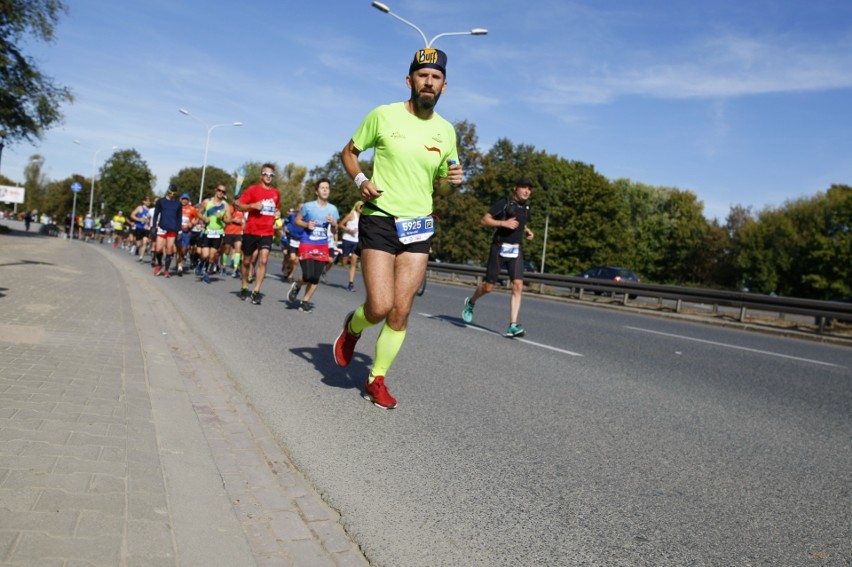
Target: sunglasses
267, 175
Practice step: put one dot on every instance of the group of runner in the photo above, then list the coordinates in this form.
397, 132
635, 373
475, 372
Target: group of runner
97, 228
216, 236
390, 228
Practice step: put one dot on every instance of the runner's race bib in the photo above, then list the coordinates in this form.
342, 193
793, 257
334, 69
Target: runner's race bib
213, 234
318, 234
415, 230
269, 207
509, 250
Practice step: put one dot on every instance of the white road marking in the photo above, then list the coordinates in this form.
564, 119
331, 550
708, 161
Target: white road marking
726, 345
529, 342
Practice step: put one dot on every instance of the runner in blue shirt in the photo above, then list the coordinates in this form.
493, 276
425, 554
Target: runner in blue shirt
315, 217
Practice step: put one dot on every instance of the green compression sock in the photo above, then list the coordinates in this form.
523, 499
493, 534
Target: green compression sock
387, 347
359, 321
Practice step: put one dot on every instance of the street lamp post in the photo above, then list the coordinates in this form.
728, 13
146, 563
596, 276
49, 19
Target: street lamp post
544, 244
383, 8
206, 145
94, 165
2, 141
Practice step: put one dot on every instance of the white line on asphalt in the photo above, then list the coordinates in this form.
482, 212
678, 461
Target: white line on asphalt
533, 343
726, 345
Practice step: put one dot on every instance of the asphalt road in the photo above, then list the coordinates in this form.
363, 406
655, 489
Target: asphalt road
601, 438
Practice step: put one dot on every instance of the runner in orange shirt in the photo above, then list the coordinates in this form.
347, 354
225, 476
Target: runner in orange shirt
233, 242
189, 218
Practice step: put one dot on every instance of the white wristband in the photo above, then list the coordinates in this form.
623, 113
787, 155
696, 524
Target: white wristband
360, 179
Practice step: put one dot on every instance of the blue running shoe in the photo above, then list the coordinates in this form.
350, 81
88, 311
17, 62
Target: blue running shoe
515, 330
467, 312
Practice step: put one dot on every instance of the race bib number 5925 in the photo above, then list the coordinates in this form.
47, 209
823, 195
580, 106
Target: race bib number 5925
415, 230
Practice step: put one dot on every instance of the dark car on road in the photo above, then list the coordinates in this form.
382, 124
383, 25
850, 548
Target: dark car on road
611, 273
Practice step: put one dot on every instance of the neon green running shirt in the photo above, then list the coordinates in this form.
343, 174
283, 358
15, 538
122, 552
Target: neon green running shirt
215, 225
410, 153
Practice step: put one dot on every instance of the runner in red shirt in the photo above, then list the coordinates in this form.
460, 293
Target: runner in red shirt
260, 202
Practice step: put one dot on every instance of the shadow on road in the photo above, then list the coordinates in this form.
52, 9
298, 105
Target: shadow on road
351, 377
27, 263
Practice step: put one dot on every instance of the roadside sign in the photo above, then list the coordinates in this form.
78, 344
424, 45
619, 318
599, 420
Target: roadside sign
76, 187
9, 194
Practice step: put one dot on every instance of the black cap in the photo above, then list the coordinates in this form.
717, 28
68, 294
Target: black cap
524, 182
429, 57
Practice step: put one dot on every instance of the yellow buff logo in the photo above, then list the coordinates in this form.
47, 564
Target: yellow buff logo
428, 55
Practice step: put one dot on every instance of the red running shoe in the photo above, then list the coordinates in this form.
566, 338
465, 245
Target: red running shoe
378, 393
157, 270
167, 274
344, 346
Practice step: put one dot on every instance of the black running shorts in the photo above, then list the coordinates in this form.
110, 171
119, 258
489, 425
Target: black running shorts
379, 233
252, 242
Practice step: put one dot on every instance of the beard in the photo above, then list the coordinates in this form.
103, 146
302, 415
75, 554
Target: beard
427, 102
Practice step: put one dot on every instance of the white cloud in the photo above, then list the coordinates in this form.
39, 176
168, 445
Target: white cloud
722, 67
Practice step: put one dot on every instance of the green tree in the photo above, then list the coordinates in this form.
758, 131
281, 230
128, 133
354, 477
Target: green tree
668, 238
802, 249
35, 184
738, 224
828, 245
294, 186
468, 145
458, 236
712, 266
29, 100
188, 180
124, 180
822, 249
60, 198
648, 228
764, 252
686, 236
588, 219
583, 211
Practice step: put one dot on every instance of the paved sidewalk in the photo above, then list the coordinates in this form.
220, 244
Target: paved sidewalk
122, 442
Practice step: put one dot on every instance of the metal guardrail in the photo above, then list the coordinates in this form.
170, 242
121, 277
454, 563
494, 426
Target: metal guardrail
823, 312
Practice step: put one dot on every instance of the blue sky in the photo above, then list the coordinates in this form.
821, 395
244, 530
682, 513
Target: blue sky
740, 101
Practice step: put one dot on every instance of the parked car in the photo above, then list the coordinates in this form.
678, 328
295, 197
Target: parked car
49, 229
611, 273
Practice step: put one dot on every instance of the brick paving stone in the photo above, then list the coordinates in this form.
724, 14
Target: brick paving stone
101, 414
34, 547
59, 523
288, 526
309, 553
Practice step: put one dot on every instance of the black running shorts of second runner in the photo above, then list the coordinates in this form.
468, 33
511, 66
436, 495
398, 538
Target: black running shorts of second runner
252, 242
